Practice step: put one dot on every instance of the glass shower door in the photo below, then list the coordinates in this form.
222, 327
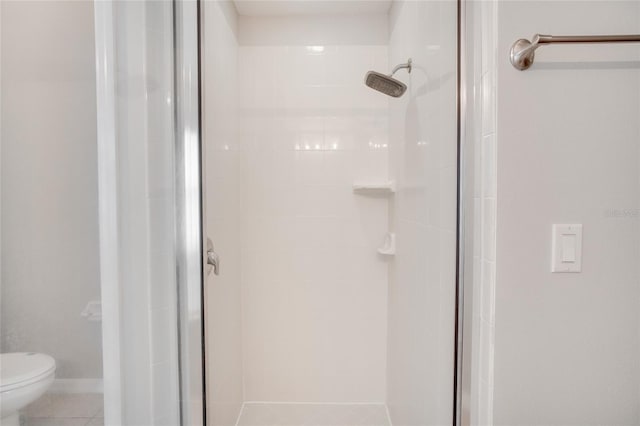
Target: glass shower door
150, 210
334, 208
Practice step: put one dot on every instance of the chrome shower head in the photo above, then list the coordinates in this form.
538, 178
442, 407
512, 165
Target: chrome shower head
386, 83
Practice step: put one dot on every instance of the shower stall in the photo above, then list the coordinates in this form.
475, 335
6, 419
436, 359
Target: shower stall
332, 208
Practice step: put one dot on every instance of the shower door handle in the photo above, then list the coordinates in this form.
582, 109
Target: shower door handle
213, 260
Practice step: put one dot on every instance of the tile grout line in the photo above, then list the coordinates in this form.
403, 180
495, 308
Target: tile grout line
240, 413
386, 409
95, 416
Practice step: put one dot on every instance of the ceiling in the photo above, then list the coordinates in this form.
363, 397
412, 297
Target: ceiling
310, 7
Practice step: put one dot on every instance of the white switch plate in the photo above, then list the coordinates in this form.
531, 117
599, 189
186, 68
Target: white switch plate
566, 253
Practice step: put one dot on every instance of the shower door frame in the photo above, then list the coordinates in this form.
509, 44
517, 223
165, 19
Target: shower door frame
190, 224
190, 163
465, 104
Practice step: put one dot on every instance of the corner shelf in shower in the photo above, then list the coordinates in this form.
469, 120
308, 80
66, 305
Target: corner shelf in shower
374, 188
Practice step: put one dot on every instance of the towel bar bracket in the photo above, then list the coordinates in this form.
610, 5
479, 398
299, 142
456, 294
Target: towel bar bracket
522, 54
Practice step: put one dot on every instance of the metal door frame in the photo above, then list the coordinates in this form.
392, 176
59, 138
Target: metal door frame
190, 215
189, 212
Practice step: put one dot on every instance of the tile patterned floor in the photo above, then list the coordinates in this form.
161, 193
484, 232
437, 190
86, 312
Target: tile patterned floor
65, 410
285, 414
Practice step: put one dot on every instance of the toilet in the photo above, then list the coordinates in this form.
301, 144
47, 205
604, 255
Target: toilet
24, 377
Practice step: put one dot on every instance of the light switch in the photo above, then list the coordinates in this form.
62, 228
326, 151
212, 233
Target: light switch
566, 248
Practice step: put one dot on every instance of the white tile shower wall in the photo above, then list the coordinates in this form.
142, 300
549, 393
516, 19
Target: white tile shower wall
49, 184
224, 310
133, 213
423, 214
314, 288
485, 219
146, 205
161, 220
567, 344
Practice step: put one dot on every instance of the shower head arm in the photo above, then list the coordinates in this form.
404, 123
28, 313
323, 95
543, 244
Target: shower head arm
406, 65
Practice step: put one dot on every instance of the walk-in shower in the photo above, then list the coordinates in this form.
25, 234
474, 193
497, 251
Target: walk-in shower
332, 208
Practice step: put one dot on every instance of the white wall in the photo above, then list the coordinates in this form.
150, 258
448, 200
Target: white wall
314, 288
49, 184
423, 214
566, 345
224, 310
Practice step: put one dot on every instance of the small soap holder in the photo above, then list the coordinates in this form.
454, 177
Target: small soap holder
93, 311
389, 245
375, 188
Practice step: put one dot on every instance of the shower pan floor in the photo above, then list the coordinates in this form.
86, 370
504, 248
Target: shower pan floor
312, 414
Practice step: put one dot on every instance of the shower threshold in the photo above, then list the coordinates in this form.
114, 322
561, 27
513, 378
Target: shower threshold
313, 414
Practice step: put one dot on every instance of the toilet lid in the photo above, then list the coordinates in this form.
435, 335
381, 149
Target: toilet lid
23, 366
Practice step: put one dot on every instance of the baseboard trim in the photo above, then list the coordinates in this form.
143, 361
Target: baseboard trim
77, 386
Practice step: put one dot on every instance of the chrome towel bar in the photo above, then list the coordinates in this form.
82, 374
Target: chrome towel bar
523, 50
